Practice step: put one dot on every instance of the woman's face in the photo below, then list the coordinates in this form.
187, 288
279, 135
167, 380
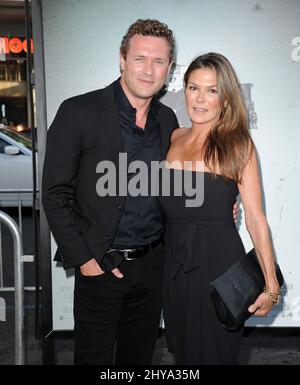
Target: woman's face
202, 98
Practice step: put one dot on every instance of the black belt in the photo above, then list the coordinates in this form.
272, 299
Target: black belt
134, 253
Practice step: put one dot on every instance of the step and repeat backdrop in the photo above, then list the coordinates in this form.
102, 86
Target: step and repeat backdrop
262, 41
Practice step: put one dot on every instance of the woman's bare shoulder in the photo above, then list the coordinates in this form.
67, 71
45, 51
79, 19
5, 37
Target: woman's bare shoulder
179, 133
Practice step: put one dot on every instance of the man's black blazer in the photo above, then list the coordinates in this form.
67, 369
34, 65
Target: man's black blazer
85, 131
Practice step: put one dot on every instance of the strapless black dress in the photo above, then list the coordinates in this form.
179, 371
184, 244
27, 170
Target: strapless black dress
200, 243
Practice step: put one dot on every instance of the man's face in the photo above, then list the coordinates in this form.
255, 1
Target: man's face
146, 66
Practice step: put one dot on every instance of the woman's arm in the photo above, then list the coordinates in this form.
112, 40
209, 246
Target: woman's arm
257, 226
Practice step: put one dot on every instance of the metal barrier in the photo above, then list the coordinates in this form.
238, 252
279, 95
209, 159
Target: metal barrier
19, 286
19, 193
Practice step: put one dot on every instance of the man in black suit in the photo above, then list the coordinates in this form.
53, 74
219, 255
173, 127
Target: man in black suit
114, 242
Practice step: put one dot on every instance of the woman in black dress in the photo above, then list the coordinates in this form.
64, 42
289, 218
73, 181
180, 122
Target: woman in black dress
202, 242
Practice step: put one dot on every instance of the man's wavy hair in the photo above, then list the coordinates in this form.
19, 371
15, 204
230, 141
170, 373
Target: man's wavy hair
148, 27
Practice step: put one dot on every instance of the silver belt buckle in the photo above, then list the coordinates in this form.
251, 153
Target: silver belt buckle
126, 253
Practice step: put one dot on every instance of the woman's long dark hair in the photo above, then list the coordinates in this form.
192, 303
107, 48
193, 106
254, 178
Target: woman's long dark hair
228, 145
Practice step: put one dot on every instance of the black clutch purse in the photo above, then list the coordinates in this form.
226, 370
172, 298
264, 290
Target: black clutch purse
237, 288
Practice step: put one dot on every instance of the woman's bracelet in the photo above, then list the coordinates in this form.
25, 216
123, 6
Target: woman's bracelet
274, 296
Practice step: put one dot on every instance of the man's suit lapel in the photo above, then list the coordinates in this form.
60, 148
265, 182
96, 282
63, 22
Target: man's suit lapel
111, 121
164, 134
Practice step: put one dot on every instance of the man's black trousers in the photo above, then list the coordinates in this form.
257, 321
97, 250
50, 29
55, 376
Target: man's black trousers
126, 311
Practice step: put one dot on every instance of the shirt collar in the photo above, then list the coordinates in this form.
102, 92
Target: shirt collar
124, 104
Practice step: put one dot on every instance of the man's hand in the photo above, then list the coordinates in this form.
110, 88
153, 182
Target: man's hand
91, 268
236, 207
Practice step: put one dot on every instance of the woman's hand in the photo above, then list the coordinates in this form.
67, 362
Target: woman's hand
263, 304
235, 210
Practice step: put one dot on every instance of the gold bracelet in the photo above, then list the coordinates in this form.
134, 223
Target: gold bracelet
274, 296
